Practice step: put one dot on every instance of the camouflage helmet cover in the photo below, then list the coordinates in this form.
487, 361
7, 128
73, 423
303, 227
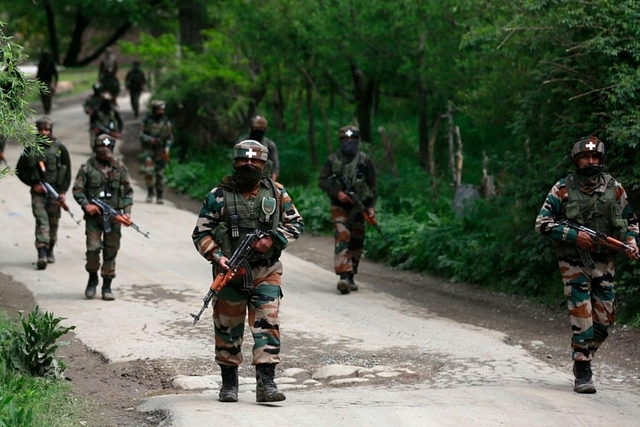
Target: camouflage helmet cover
44, 122
250, 149
590, 144
348, 132
104, 140
259, 122
106, 96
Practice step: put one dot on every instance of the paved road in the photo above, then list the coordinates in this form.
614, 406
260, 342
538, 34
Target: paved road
463, 374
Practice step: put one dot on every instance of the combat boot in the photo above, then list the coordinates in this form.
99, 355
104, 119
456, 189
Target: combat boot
266, 389
90, 291
229, 390
50, 256
343, 283
583, 383
107, 295
352, 283
42, 258
149, 195
159, 199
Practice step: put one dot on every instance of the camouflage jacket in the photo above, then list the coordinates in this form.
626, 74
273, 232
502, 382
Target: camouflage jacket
212, 214
360, 174
111, 184
57, 164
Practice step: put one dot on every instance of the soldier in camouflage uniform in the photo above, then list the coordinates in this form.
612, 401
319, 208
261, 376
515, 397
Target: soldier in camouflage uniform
258, 129
106, 119
156, 136
359, 173
46, 210
105, 178
592, 198
243, 202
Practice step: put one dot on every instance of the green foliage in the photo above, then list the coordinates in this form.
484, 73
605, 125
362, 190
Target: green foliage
32, 351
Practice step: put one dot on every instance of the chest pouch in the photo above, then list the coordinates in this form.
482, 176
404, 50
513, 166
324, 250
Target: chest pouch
268, 207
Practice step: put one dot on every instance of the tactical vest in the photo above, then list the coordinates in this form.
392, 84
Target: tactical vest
242, 216
354, 172
599, 212
157, 129
107, 188
55, 170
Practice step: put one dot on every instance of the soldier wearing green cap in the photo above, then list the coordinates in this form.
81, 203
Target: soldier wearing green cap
591, 198
243, 202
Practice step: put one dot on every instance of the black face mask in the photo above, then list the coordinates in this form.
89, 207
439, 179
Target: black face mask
589, 171
256, 135
349, 148
246, 177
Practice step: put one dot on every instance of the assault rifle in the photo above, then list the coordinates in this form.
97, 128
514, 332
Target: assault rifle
598, 237
108, 213
54, 194
237, 260
359, 205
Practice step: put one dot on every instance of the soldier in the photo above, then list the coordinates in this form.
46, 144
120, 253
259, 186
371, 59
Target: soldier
258, 129
243, 202
349, 166
108, 74
105, 178
47, 74
56, 163
592, 198
135, 81
156, 136
93, 101
106, 119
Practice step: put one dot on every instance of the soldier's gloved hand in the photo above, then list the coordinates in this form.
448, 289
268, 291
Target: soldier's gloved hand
344, 197
92, 209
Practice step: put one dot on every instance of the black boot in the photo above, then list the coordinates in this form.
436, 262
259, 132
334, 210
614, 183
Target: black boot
583, 383
343, 283
229, 390
107, 295
352, 283
42, 258
90, 291
266, 389
50, 256
149, 195
159, 199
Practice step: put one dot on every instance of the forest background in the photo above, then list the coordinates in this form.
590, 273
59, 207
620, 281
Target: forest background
501, 88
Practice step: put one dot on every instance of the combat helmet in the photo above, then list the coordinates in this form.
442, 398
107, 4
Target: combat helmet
250, 149
104, 140
348, 132
590, 144
44, 122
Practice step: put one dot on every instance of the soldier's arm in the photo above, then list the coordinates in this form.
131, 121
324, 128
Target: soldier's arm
208, 219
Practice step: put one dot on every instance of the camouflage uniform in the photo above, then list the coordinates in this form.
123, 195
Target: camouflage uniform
47, 74
111, 184
156, 136
45, 209
106, 119
589, 289
226, 217
349, 226
258, 129
134, 82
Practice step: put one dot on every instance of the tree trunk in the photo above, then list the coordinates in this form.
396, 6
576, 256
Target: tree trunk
75, 45
363, 91
310, 133
424, 155
388, 152
54, 47
192, 18
323, 111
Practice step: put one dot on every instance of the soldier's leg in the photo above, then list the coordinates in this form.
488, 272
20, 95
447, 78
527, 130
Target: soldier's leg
159, 178
229, 313
110, 251
54, 212
93, 233
577, 291
342, 237
147, 169
39, 209
603, 302
356, 244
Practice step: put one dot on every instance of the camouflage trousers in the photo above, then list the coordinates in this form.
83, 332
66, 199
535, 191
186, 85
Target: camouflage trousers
152, 169
47, 214
261, 304
590, 298
348, 232
100, 241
